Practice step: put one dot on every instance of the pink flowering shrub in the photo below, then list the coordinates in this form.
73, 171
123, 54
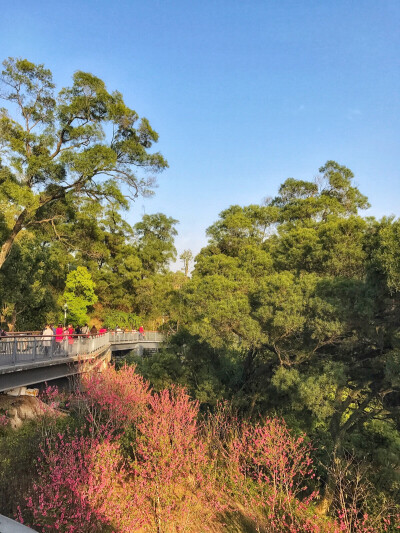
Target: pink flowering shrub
173, 469
270, 471
353, 521
86, 484
83, 486
3, 420
50, 396
114, 398
61, 495
274, 458
171, 473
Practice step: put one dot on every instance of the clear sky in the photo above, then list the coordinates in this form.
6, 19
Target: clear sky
244, 93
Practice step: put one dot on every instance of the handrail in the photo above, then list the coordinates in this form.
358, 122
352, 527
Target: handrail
40, 335
66, 334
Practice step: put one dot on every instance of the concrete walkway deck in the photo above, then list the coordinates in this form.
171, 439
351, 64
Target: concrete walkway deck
11, 526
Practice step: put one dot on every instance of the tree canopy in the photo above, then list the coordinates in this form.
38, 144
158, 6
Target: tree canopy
297, 300
57, 149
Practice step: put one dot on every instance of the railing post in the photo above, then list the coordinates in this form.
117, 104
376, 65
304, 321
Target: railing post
14, 352
34, 349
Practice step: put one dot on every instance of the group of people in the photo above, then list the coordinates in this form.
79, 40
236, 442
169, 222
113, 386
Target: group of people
62, 332
127, 330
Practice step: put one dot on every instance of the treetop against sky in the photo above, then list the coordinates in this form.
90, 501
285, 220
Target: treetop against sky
243, 94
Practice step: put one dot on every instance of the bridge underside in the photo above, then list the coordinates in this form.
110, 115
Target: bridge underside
137, 347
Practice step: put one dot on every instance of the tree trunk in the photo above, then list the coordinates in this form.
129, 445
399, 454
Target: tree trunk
328, 492
6, 247
338, 430
336, 433
11, 325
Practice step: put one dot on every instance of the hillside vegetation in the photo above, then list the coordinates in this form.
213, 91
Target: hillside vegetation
132, 459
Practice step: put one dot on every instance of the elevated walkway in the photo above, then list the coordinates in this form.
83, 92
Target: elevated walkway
29, 359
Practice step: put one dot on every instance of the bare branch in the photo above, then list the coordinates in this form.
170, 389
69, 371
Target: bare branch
43, 221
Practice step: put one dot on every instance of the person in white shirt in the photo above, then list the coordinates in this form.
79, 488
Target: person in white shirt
47, 339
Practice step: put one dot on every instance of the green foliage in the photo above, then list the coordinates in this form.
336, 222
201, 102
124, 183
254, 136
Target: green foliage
70, 162
79, 295
387, 251
26, 285
113, 318
210, 375
155, 234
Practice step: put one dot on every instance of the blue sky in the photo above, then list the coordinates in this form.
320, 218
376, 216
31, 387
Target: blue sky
244, 94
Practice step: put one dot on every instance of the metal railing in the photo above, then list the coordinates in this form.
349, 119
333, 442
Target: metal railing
119, 337
16, 349
22, 349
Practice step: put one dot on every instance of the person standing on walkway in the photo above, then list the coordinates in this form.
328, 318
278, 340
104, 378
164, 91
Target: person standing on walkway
3, 334
47, 339
59, 337
141, 332
71, 332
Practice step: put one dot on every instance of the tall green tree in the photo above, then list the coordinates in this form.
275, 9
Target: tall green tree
155, 242
82, 142
305, 291
186, 257
79, 294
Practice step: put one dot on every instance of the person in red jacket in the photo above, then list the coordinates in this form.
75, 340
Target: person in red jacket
59, 337
59, 333
141, 332
71, 332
